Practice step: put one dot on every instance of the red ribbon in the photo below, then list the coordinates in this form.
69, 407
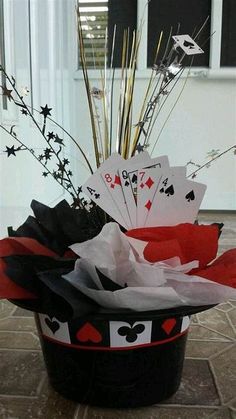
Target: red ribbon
18, 246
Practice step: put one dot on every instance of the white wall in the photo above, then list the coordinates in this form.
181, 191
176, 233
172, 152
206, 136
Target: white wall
203, 119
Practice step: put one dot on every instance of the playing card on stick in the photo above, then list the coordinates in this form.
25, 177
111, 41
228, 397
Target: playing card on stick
128, 175
97, 191
176, 201
148, 181
187, 44
112, 181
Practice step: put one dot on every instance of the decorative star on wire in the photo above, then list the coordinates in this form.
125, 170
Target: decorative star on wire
58, 140
213, 153
6, 92
47, 154
51, 135
45, 111
140, 148
11, 151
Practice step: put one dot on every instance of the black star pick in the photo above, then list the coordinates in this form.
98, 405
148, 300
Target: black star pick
45, 111
139, 148
6, 92
58, 140
51, 135
47, 153
10, 151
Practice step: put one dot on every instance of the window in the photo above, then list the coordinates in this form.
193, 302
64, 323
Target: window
94, 19
97, 16
217, 39
166, 15
228, 41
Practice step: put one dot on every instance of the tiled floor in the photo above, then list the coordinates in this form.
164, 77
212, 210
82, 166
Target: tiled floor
208, 387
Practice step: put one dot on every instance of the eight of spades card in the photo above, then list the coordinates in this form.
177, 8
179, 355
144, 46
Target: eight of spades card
97, 191
112, 181
177, 200
187, 44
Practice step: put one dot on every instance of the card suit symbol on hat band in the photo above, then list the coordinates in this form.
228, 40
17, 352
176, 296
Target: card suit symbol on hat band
131, 333
168, 325
126, 183
148, 205
88, 333
142, 185
149, 182
190, 196
52, 324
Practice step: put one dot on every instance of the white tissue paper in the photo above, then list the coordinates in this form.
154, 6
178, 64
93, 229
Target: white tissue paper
147, 286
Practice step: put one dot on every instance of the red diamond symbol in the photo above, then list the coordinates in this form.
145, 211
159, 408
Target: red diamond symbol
142, 185
168, 325
117, 180
112, 185
149, 182
148, 205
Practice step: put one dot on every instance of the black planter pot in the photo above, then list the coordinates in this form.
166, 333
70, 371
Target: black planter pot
116, 359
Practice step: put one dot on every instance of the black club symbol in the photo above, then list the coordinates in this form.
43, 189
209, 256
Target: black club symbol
131, 333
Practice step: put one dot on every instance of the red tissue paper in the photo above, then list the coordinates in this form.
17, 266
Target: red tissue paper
189, 242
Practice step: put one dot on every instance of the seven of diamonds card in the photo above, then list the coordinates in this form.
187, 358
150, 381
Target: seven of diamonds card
144, 192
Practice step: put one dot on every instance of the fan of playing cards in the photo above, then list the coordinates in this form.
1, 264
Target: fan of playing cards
145, 192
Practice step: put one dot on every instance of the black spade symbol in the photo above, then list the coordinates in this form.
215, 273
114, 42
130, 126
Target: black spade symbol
134, 178
190, 196
188, 44
52, 324
126, 183
162, 190
131, 333
170, 191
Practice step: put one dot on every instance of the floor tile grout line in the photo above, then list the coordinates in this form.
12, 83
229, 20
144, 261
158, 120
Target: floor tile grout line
210, 340
41, 383
216, 331
215, 381
231, 324
17, 396
76, 411
212, 357
198, 406
21, 349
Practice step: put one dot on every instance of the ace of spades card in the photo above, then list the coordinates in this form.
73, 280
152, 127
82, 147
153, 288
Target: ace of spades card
187, 44
97, 191
177, 200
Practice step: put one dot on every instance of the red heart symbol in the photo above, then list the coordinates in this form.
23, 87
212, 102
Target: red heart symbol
168, 325
88, 333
